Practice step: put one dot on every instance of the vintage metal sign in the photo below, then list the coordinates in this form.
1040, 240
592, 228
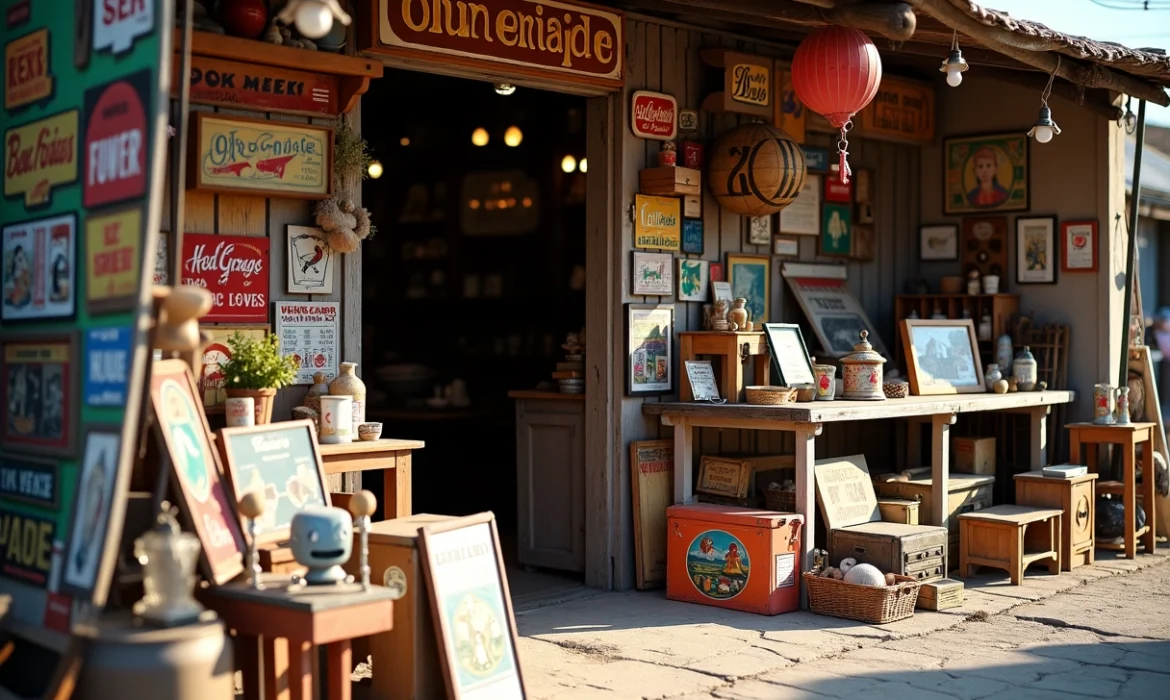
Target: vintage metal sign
39, 374
39, 156
38, 274
107, 366
310, 332
654, 115
30, 480
658, 222
901, 110
233, 154
26, 547
26, 70
788, 109
749, 80
234, 269
118, 23
262, 88
113, 247
115, 140
561, 41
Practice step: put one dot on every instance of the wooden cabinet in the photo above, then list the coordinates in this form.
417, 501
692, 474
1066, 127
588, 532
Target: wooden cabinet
550, 480
1076, 498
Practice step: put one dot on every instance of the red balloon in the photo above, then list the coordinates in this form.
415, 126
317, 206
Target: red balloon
836, 72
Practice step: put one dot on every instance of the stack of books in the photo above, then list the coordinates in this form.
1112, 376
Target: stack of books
1064, 471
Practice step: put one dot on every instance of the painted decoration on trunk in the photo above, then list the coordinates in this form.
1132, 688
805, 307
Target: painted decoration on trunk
718, 564
40, 269
235, 154
235, 269
756, 170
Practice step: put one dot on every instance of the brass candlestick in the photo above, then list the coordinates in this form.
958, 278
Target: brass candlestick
362, 505
252, 507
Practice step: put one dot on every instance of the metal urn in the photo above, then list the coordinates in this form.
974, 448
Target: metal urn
862, 372
168, 557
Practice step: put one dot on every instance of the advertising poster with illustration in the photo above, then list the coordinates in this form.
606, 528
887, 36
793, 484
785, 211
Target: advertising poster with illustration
217, 352
310, 332
649, 368
39, 270
236, 154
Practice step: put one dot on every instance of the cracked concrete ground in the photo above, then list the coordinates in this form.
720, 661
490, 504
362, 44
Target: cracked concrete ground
1097, 632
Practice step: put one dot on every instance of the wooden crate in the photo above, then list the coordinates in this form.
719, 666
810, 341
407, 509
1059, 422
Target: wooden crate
968, 493
733, 476
917, 551
670, 180
943, 594
974, 455
899, 510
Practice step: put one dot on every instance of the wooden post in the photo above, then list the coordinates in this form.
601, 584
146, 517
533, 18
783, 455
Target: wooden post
940, 465
1038, 445
684, 462
806, 500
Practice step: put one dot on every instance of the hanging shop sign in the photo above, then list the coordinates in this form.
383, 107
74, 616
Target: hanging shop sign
658, 222
113, 255
107, 366
26, 70
262, 88
233, 154
234, 269
39, 269
901, 110
29, 480
39, 156
654, 115
565, 42
311, 333
26, 544
115, 136
748, 83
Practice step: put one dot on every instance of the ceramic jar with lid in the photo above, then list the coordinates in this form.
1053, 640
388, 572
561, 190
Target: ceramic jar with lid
985, 328
320, 388
1024, 370
862, 372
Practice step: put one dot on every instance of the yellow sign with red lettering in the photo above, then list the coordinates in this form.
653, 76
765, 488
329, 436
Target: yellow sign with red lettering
26, 70
901, 110
39, 156
658, 222
112, 252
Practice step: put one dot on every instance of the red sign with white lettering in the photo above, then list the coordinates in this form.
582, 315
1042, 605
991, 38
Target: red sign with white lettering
260, 88
234, 269
654, 116
115, 140
837, 191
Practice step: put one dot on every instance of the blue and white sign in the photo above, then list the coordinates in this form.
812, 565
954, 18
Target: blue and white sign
107, 366
816, 159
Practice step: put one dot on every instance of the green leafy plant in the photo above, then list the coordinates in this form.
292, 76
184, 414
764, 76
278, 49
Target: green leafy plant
257, 363
350, 155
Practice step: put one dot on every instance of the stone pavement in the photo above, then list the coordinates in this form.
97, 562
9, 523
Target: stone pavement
1098, 632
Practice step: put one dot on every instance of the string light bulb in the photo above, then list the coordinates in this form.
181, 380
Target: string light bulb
513, 136
1129, 121
568, 164
954, 66
505, 88
480, 137
1045, 128
375, 169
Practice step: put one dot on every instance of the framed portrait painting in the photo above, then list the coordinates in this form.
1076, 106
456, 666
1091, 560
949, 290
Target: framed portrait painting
751, 278
942, 356
985, 174
1078, 244
649, 349
1036, 250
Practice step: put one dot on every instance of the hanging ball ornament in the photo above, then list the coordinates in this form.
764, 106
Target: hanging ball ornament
836, 72
756, 169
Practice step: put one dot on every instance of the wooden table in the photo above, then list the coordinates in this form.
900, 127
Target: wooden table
306, 617
390, 455
806, 420
1127, 437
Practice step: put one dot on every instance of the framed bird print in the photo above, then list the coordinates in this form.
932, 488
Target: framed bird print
310, 261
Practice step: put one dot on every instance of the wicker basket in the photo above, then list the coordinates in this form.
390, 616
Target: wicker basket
873, 604
780, 501
769, 395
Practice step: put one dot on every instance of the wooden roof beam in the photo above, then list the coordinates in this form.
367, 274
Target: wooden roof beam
895, 21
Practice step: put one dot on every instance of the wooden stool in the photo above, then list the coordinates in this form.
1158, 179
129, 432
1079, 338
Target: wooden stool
999, 537
732, 349
1128, 437
1076, 497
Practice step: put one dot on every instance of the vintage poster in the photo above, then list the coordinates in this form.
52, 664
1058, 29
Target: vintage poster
692, 236
311, 261
310, 332
803, 216
95, 490
235, 154
107, 366
29, 479
113, 253
901, 111
751, 279
837, 230
27, 547
40, 269
649, 362
211, 388
658, 222
26, 66
653, 274
235, 269
835, 315
986, 174
789, 110
39, 156
39, 377
115, 133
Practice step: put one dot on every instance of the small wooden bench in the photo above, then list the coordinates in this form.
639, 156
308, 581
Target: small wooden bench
999, 537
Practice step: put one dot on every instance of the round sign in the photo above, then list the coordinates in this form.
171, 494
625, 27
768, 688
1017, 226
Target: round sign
394, 578
756, 170
718, 564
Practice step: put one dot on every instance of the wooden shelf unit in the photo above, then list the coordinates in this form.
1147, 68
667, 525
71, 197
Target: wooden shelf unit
1002, 308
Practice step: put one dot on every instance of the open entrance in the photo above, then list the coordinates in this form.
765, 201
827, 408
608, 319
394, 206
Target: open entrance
474, 278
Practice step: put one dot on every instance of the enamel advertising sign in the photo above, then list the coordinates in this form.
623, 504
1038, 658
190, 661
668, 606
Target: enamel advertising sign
39, 156
654, 116
262, 88
26, 70
113, 254
115, 139
118, 23
234, 154
234, 269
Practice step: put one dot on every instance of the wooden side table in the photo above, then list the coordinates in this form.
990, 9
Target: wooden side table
1000, 537
732, 350
1077, 498
390, 455
306, 616
1128, 437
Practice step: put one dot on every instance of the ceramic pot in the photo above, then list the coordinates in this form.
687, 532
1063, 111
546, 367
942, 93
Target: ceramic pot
862, 372
320, 388
1024, 370
1004, 354
985, 328
245, 18
263, 399
240, 411
346, 383
991, 284
991, 376
738, 316
826, 383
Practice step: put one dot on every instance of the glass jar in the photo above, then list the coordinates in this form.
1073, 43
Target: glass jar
1004, 354
1024, 369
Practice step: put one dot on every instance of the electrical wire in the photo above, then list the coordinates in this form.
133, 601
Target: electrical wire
1145, 5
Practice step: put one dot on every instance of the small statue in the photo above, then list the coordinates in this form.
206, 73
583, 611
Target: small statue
322, 540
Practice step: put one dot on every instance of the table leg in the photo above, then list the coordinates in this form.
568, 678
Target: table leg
300, 669
806, 500
940, 467
684, 462
686, 351
396, 488
1130, 500
964, 538
248, 662
276, 672
1038, 444
732, 378
1149, 496
340, 670
762, 365
1054, 535
913, 442
1074, 447
1016, 566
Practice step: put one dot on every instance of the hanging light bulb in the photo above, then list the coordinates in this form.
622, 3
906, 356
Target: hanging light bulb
513, 136
480, 137
1129, 121
313, 18
375, 169
505, 88
1044, 128
583, 166
568, 164
954, 66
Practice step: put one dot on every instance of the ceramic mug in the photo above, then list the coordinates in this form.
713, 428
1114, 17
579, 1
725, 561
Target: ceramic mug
826, 386
336, 419
369, 431
240, 411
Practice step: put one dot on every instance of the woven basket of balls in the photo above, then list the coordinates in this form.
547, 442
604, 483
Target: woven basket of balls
886, 598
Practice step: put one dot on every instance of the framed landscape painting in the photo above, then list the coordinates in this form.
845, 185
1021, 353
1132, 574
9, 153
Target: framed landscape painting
942, 356
649, 351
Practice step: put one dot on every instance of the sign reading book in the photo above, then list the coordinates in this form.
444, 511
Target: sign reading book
233, 154
310, 332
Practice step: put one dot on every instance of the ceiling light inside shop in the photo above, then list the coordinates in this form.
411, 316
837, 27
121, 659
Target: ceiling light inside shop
375, 169
568, 164
583, 166
505, 88
513, 136
404, 141
480, 137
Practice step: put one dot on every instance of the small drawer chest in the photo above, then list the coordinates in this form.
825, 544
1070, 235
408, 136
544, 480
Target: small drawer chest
1076, 497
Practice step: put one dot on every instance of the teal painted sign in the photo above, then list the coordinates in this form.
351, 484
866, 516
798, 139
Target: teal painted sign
85, 100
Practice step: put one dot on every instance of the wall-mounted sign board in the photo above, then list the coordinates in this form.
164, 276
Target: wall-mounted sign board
901, 110
262, 88
235, 269
748, 83
654, 115
311, 332
551, 40
253, 156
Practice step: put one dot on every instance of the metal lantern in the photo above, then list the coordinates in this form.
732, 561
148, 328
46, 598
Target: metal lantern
756, 169
836, 72
862, 372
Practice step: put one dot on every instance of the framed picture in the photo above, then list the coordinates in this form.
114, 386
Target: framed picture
311, 261
837, 191
217, 352
716, 272
653, 274
282, 464
91, 511
760, 230
701, 378
789, 353
195, 467
722, 290
786, 246
1078, 246
39, 274
837, 230
983, 244
938, 242
835, 314
41, 376
471, 608
942, 356
1036, 250
649, 349
692, 236
803, 216
751, 278
985, 174
694, 277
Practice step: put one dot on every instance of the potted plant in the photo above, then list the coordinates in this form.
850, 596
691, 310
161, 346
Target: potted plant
257, 369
